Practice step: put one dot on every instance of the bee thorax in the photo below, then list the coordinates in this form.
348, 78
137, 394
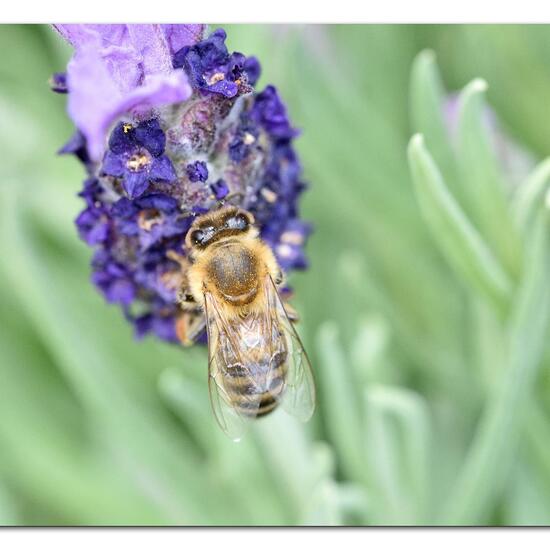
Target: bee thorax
233, 271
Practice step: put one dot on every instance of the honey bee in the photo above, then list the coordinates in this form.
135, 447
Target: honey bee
255, 358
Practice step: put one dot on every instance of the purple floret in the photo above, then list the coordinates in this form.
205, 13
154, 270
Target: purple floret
212, 69
135, 156
197, 171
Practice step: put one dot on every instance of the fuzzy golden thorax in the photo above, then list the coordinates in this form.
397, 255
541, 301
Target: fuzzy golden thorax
229, 260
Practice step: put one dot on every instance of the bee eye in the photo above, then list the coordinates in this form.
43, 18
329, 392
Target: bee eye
240, 222
197, 237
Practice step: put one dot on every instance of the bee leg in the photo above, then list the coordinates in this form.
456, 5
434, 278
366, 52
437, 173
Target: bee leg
191, 320
188, 326
186, 301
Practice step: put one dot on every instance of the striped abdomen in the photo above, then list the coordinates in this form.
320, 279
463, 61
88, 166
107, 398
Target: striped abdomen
255, 389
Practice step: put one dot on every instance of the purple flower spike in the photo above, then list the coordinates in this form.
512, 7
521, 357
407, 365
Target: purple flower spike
168, 126
122, 68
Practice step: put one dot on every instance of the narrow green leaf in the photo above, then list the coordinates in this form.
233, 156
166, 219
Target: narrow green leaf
369, 348
355, 504
458, 239
292, 463
530, 195
427, 110
324, 509
398, 436
343, 409
481, 179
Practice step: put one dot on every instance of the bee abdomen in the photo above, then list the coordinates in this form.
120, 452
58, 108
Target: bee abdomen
256, 408
249, 391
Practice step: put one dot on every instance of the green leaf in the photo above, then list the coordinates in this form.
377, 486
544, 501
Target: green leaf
428, 97
458, 239
530, 195
398, 436
295, 466
324, 508
482, 181
343, 411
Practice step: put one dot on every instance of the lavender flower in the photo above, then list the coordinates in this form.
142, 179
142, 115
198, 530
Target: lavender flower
169, 124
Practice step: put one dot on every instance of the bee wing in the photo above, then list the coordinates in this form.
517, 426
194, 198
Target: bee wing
223, 343
298, 398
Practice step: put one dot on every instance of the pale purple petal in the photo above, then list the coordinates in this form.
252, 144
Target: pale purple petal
151, 44
113, 47
179, 36
122, 68
158, 90
131, 51
81, 35
91, 98
95, 101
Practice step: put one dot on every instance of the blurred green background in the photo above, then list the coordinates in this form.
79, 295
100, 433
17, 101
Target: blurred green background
424, 311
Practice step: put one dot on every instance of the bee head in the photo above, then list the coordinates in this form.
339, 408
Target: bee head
212, 227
